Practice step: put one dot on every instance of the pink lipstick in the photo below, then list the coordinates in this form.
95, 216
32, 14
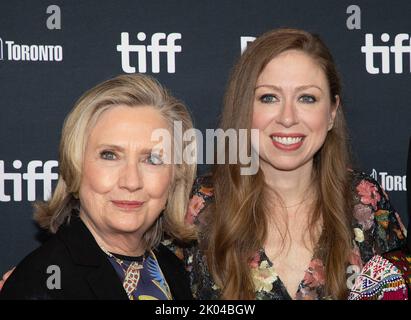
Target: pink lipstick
287, 141
127, 205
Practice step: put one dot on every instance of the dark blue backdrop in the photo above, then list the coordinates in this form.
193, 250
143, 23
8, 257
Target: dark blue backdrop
52, 51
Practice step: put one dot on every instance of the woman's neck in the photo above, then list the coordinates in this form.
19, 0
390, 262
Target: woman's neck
123, 244
293, 187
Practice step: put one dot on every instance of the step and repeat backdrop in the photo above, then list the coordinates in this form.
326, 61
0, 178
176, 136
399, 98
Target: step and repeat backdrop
52, 51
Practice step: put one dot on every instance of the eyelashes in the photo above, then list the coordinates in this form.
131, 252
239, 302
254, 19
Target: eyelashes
152, 158
307, 98
108, 155
272, 98
155, 159
268, 98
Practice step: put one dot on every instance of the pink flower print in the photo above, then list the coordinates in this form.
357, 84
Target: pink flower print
364, 216
355, 257
315, 275
194, 207
255, 261
369, 193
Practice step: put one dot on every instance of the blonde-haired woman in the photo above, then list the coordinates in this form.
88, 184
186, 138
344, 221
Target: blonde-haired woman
305, 226
115, 197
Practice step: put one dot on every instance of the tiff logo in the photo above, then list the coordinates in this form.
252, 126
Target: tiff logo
398, 49
30, 176
155, 48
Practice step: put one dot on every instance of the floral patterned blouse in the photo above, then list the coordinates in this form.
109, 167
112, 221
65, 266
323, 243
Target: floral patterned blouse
377, 229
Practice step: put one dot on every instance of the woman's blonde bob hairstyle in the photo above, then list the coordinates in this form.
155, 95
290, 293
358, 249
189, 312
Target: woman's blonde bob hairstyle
133, 91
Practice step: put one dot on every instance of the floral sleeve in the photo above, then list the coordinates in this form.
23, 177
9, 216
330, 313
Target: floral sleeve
193, 259
377, 226
201, 195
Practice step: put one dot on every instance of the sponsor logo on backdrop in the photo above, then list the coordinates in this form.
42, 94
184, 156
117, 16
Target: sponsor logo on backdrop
390, 182
161, 50
23, 182
378, 57
12, 51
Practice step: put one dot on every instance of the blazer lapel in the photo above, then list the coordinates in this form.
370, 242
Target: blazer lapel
85, 252
105, 283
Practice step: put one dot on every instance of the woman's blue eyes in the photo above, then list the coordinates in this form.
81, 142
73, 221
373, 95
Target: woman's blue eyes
154, 159
108, 155
271, 98
307, 99
151, 159
268, 98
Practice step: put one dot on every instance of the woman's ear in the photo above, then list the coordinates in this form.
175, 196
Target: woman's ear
334, 108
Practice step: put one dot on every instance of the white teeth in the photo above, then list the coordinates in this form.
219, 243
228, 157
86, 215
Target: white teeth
287, 140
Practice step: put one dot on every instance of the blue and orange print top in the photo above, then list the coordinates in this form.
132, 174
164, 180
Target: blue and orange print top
141, 276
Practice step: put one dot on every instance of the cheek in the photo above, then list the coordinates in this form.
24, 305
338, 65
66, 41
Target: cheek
261, 119
319, 123
98, 179
157, 183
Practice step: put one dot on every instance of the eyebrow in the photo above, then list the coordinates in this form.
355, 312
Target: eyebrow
121, 149
279, 89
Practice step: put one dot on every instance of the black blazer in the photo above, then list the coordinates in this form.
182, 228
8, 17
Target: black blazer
86, 273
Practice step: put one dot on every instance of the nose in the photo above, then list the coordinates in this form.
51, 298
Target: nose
131, 177
288, 115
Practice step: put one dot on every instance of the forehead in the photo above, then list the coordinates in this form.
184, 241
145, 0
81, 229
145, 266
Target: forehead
293, 67
125, 125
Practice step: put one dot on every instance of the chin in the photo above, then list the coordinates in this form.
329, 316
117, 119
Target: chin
128, 225
284, 163
286, 167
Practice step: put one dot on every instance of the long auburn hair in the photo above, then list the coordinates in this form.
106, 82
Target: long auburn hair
237, 220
